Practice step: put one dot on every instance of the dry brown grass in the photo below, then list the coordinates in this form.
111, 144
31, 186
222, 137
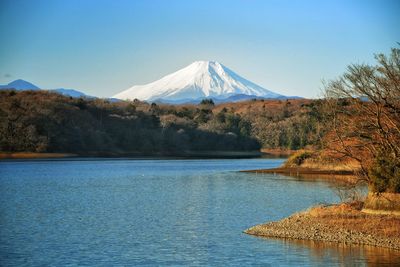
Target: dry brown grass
383, 201
258, 106
331, 166
347, 216
321, 160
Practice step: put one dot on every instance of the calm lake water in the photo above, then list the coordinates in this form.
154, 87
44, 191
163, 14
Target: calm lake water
159, 212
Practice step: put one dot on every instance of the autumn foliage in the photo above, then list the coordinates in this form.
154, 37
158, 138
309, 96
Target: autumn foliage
363, 108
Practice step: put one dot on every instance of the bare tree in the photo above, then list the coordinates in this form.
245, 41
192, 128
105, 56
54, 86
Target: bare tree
363, 108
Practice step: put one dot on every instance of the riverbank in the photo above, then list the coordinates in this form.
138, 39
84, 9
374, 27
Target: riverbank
296, 171
310, 164
278, 152
342, 223
334, 176
183, 154
33, 155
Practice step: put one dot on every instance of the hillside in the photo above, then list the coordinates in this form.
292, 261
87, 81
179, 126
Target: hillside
39, 121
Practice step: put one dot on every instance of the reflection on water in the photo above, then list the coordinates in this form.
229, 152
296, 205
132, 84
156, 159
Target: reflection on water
332, 179
342, 253
158, 212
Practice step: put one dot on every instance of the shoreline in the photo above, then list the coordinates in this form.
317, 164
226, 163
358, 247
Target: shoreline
331, 175
166, 155
376, 222
34, 155
335, 223
277, 152
297, 171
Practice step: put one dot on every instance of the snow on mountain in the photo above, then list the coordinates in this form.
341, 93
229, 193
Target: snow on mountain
201, 79
20, 85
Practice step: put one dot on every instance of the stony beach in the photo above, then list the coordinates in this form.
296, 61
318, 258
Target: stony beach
335, 223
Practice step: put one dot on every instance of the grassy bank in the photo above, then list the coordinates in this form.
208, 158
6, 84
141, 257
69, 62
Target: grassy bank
308, 163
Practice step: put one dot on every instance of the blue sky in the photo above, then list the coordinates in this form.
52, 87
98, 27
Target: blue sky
103, 47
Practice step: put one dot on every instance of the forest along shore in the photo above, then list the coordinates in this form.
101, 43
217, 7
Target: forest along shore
33, 155
183, 154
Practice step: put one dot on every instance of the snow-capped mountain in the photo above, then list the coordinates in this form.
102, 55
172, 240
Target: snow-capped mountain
199, 80
21, 85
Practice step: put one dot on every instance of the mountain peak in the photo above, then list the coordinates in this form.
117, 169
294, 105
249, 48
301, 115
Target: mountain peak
200, 79
20, 84
19, 81
206, 62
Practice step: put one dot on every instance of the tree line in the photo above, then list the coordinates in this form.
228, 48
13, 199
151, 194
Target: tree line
40, 121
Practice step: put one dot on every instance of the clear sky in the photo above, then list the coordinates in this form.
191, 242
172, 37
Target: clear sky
103, 47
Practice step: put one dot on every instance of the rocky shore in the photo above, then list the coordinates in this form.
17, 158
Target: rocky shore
336, 223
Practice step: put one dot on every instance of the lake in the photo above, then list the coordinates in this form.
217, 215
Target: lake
121, 212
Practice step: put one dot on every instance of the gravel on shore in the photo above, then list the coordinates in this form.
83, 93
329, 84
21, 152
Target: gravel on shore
330, 225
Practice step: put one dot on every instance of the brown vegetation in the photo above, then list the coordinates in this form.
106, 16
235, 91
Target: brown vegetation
323, 160
383, 203
350, 217
363, 107
48, 122
281, 124
39, 121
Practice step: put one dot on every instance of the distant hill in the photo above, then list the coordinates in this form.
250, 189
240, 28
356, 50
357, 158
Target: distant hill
70, 92
22, 85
